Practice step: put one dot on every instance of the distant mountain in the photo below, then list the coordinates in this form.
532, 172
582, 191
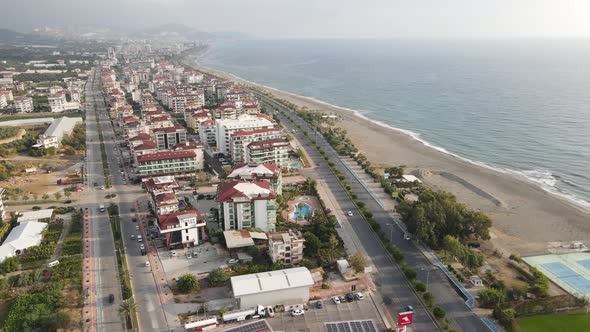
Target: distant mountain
185, 32
12, 37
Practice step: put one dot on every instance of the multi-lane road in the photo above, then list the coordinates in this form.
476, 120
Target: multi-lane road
151, 313
391, 282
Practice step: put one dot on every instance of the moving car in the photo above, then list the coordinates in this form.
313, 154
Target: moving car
188, 255
139, 239
409, 308
132, 237
141, 246
407, 237
137, 227
297, 312
349, 213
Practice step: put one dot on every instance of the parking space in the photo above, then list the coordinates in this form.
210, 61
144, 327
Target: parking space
314, 318
205, 257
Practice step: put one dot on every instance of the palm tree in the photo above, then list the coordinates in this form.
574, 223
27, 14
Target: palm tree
127, 308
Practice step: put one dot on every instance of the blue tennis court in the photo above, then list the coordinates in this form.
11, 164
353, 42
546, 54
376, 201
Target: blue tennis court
585, 263
569, 276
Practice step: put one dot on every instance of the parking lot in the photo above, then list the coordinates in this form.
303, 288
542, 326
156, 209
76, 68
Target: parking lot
206, 257
314, 318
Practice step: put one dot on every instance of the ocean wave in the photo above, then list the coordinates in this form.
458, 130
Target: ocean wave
543, 179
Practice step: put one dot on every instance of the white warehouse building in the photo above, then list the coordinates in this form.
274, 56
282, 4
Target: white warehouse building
288, 286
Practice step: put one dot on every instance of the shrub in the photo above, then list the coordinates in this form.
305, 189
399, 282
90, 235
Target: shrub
419, 286
217, 277
409, 272
428, 298
439, 312
188, 283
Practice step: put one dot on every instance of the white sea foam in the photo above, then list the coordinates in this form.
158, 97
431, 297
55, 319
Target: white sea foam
542, 178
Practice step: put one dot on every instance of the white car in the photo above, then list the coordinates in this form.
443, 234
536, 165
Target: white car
407, 237
173, 253
233, 261
141, 246
188, 255
349, 213
336, 300
147, 264
297, 312
137, 227
139, 239
359, 295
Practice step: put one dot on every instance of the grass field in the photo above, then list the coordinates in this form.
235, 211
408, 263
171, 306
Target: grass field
558, 322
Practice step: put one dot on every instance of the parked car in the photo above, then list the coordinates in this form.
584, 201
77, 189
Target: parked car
111, 298
349, 297
173, 253
233, 261
349, 213
319, 305
132, 237
343, 299
137, 227
141, 246
270, 312
297, 312
359, 295
139, 239
188, 255
147, 264
336, 300
407, 237
409, 308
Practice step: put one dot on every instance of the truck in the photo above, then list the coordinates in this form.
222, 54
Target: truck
201, 324
240, 315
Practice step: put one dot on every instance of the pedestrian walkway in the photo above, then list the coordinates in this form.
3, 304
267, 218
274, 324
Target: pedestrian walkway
88, 272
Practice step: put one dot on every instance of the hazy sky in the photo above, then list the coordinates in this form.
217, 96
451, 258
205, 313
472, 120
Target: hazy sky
317, 19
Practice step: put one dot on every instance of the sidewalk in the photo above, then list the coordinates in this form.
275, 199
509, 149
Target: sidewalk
88, 280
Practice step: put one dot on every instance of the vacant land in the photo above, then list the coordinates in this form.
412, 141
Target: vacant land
551, 323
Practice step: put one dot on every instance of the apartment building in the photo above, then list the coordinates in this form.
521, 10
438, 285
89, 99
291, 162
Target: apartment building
207, 133
164, 203
193, 117
240, 140
286, 247
24, 104
259, 172
225, 128
244, 205
182, 228
274, 150
3, 100
167, 137
178, 163
62, 101
179, 103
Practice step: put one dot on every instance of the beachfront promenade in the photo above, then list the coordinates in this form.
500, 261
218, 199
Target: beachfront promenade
392, 283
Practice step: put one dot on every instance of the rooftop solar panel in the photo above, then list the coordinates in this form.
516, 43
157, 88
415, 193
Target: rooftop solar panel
351, 326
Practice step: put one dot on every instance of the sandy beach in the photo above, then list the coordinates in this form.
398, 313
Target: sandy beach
525, 217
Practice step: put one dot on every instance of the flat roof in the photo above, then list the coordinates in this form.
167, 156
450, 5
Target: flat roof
35, 215
271, 281
238, 239
23, 236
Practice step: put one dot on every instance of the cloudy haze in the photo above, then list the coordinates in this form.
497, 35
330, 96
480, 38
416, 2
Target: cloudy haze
317, 19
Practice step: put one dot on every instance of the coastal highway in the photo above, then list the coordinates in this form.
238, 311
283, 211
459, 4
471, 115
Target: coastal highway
391, 282
151, 314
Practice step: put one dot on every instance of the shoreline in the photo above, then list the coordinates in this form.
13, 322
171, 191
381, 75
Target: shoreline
526, 216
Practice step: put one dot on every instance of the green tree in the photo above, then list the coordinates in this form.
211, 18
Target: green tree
358, 262
439, 312
188, 283
217, 277
312, 244
57, 195
45, 197
127, 308
490, 296
67, 193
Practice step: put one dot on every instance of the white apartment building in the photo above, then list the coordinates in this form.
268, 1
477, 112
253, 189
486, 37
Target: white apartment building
182, 228
207, 133
3, 100
274, 150
226, 127
246, 205
59, 102
179, 103
241, 139
24, 104
55, 132
178, 163
286, 248
259, 172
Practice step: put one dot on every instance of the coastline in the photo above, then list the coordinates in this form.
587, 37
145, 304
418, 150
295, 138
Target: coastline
526, 217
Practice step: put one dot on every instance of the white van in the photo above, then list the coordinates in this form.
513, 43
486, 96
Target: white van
53, 263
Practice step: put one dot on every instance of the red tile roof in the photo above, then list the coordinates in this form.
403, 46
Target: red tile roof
140, 137
226, 191
166, 155
146, 145
166, 197
172, 218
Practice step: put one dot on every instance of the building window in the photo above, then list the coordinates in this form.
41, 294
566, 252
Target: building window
187, 238
186, 231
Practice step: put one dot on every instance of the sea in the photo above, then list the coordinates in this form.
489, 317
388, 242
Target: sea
520, 106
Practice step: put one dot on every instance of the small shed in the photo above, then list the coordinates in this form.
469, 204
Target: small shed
343, 266
476, 281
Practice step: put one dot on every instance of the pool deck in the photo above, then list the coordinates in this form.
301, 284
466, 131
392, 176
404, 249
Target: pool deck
311, 201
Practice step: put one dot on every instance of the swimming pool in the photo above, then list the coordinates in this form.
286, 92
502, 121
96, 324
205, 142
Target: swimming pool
295, 165
301, 212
